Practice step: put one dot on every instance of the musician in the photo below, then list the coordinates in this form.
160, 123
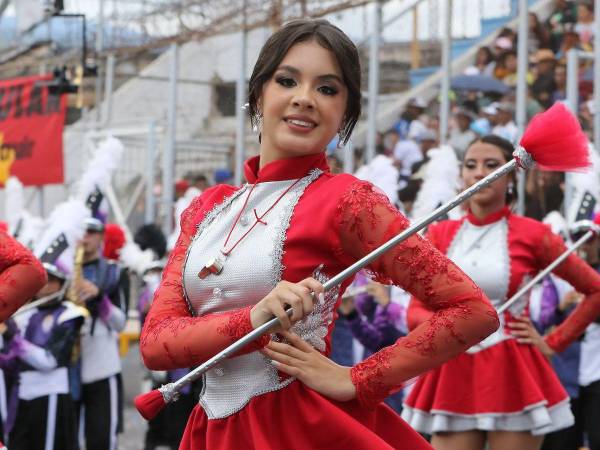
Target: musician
104, 290
42, 348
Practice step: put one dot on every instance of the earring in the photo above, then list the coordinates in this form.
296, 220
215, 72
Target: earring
511, 188
257, 123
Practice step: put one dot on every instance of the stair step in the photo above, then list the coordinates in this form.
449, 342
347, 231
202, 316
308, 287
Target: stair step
416, 76
462, 45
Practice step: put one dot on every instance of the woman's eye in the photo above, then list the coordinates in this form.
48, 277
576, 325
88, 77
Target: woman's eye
470, 166
285, 81
328, 90
492, 164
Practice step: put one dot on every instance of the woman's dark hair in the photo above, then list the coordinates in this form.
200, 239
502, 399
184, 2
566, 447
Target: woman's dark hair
507, 150
329, 37
489, 56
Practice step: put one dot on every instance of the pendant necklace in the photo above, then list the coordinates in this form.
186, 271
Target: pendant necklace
214, 266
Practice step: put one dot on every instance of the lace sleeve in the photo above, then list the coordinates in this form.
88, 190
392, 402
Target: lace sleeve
583, 278
461, 314
21, 276
171, 337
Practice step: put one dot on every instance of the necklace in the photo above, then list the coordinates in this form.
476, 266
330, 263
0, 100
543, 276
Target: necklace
214, 266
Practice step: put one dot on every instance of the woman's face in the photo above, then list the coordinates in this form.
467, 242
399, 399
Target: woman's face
304, 102
481, 159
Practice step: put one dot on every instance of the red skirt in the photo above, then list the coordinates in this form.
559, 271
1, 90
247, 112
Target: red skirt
297, 418
508, 386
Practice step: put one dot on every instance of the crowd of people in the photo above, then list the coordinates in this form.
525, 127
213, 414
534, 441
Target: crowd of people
417, 329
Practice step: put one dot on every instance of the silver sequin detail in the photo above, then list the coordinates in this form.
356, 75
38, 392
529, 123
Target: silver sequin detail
218, 292
244, 220
168, 392
208, 218
313, 328
230, 385
283, 225
524, 158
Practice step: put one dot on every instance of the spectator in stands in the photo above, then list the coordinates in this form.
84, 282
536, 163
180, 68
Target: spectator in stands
585, 23
506, 68
413, 110
199, 181
427, 139
390, 139
538, 36
461, 134
484, 59
570, 40
505, 126
543, 86
564, 13
560, 83
406, 153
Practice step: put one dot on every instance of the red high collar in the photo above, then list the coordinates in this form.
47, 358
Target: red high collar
490, 218
284, 169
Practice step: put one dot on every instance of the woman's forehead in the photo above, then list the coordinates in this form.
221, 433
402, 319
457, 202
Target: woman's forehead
311, 57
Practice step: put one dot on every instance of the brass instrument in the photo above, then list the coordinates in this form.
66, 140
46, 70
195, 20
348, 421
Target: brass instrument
76, 277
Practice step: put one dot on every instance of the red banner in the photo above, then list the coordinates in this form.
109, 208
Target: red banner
31, 129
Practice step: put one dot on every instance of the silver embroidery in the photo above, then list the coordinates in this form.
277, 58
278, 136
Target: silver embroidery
283, 225
249, 274
313, 328
208, 218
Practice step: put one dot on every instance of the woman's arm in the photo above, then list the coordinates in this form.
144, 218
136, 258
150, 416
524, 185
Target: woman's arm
583, 278
461, 314
172, 338
21, 275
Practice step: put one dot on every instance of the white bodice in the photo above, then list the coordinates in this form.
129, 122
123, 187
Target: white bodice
482, 253
250, 272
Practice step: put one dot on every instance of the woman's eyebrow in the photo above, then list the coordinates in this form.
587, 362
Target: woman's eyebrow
325, 77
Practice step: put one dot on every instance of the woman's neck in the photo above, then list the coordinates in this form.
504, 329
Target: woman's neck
482, 211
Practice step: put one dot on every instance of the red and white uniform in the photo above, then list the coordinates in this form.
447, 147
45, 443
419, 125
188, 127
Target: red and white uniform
21, 275
326, 222
500, 384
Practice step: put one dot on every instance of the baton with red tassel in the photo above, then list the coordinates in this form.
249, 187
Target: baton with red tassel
554, 140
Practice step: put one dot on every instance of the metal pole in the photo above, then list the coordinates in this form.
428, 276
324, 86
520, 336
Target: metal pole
240, 100
150, 203
108, 88
446, 69
168, 178
597, 78
99, 46
521, 110
572, 80
373, 81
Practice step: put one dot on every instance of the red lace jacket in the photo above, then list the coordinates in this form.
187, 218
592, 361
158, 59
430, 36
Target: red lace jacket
532, 247
337, 220
21, 275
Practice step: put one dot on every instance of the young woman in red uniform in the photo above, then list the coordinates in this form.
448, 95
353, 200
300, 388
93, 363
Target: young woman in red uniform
246, 252
502, 390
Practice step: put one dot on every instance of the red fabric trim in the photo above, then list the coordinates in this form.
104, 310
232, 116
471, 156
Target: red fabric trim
284, 169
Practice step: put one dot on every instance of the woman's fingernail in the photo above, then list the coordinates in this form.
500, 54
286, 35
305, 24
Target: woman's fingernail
321, 298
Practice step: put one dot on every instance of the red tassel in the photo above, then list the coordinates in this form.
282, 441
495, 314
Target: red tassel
556, 141
150, 404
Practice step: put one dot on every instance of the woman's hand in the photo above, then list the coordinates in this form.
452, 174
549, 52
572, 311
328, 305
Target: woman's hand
380, 292
299, 359
296, 295
525, 332
570, 299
